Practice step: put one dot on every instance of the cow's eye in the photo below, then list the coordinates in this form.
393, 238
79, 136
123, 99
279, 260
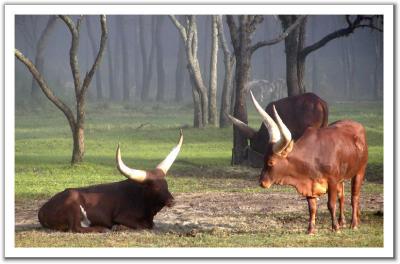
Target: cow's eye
271, 163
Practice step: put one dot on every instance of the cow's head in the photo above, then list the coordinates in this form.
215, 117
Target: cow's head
258, 139
156, 187
280, 144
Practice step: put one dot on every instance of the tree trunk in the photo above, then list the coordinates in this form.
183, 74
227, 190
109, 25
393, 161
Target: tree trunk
79, 131
240, 109
197, 116
212, 119
205, 42
229, 62
189, 36
301, 60
226, 95
294, 68
160, 60
241, 39
98, 83
40, 58
202, 91
179, 73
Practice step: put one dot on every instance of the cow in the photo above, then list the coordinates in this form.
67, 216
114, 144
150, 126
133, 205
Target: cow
131, 203
317, 163
298, 112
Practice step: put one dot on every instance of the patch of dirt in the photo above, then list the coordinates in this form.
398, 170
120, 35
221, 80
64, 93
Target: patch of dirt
223, 212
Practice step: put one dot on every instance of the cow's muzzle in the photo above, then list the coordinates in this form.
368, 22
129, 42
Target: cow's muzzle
265, 184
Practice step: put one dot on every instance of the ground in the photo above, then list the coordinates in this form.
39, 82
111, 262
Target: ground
220, 212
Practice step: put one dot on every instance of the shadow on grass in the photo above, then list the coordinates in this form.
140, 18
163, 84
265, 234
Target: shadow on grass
27, 227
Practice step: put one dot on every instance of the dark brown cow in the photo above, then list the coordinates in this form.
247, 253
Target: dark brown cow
318, 162
297, 112
132, 203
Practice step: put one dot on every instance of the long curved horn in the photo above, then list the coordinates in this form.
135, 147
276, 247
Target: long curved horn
167, 162
244, 128
285, 132
132, 174
273, 130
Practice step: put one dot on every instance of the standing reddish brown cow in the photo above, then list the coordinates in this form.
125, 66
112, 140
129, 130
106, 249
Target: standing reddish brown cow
132, 203
318, 162
298, 112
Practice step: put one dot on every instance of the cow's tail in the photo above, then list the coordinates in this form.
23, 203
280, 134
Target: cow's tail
325, 112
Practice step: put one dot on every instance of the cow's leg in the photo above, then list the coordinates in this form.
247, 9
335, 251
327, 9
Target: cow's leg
75, 220
356, 183
332, 193
312, 208
132, 221
340, 191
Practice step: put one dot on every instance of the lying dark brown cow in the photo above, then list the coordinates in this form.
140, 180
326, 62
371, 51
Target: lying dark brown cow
297, 112
318, 162
132, 203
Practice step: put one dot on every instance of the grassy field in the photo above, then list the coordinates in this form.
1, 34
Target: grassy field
147, 134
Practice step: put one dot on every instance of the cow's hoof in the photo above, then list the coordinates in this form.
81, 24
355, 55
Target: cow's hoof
354, 227
311, 231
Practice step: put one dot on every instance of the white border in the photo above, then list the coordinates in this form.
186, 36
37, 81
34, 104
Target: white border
386, 251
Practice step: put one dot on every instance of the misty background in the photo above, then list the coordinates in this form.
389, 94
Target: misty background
134, 43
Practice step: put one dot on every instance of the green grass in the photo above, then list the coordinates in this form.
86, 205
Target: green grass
147, 133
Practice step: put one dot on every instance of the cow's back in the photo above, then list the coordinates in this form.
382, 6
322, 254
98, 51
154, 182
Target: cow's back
339, 148
300, 112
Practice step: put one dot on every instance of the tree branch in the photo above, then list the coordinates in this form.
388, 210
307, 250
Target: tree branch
73, 57
351, 26
280, 37
103, 40
222, 38
45, 88
179, 26
230, 20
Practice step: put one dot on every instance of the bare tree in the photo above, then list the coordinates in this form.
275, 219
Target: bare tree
212, 117
147, 62
296, 52
229, 62
188, 33
160, 60
204, 43
76, 123
179, 72
241, 33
